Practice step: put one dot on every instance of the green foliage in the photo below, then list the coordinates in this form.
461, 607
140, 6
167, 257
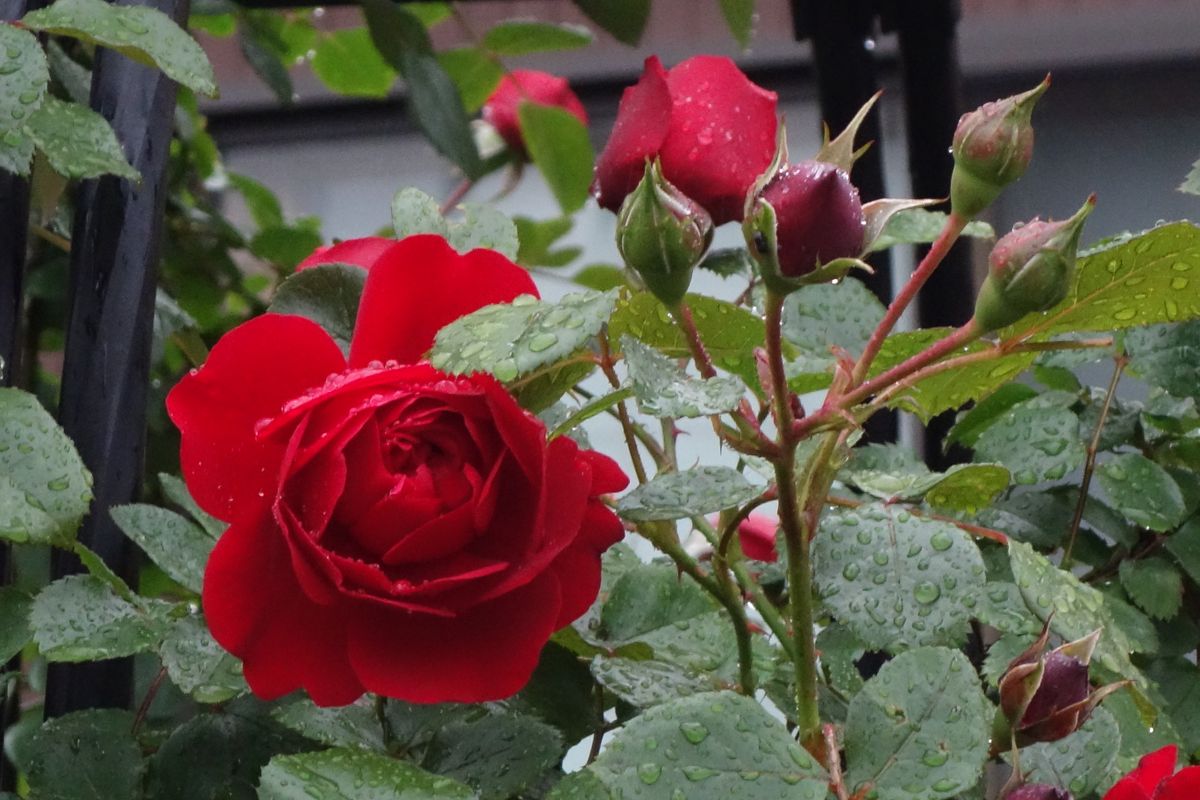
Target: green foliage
499, 755
1154, 585
474, 71
143, 34
963, 487
484, 226
520, 37
344, 774
1142, 491
346, 62
704, 747
176, 545
14, 622
1191, 183
1034, 442
664, 390
1167, 356
823, 320
197, 664
77, 142
44, 488
87, 755
919, 729
415, 212
328, 294
81, 618
558, 144
1079, 762
624, 19
24, 76
895, 579
690, 492
921, 226
739, 15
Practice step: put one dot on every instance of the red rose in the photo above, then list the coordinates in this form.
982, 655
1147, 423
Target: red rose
392, 529
756, 534
818, 216
359, 252
712, 128
522, 85
1153, 780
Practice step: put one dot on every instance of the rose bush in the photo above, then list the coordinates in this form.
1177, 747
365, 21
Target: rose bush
392, 529
527, 85
710, 126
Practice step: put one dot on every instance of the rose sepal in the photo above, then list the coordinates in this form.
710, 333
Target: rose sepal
840, 151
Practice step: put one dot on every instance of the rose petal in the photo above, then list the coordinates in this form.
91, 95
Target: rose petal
257, 611
362, 252
756, 535
421, 285
527, 85
1153, 768
250, 373
643, 118
487, 653
1184, 786
607, 475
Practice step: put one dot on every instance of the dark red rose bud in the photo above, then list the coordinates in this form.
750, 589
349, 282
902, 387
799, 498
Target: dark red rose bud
992, 148
527, 85
1038, 791
1064, 683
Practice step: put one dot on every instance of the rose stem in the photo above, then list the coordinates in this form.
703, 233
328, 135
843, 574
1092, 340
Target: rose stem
385, 724
148, 699
455, 197
941, 246
799, 565
606, 365
1089, 464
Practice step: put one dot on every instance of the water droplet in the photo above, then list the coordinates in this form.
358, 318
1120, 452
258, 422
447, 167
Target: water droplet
850, 571
1179, 282
694, 732
649, 773
880, 558
542, 342
935, 758
927, 593
694, 773
133, 25
941, 541
505, 370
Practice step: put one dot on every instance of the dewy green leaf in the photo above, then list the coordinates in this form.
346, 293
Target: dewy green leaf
824, 316
474, 72
1184, 544
415, 212
1142, 491
347, 62
44, 488
687, 493
919, 729
354, 725
1191, 184
80, 618
14, 622
895, 579
345, 774
513, 339
1080, 761
484, 226
963, 487
327, 294
648, 682
722, 743
647, 598
86, 755
499, 754
1035, 443
198, 665
519, 37
922, 226
77, 141
146, 35
178, 546
1154, 585
1178, 680
624, 19
176, 491
1167, 356
558, 144
24, 75
665, 390
739, 16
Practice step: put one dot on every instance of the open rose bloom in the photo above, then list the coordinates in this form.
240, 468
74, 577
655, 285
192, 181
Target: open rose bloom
391, 528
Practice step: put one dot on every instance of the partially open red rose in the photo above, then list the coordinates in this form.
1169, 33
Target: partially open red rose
359, 252
1155, 778
527, 85
712, 128
392, 529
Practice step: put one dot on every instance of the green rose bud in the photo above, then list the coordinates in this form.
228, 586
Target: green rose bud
662, 234
992, 147
1030, 269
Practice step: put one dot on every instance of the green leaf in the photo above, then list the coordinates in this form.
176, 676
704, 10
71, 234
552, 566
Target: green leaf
1154, 584
687, 493
922, 226
474, 72
521, 37
77, 141
560, 693
537, 239
1146, 279
260, 201
648, 597
198, 665
513, 339
1178, 681
624, 19
176, 491
739, 16
81, 618
23, 79
1073, 609
1142, 491
897, 580
1001, 605
600, 277
415, 212
558, 144
708, 746
355, 725
1167, 356
649, 682
86, 755
44, 488
14, 622
143, 34
484, 226
327, 294
840, 650
728, 261
1191, 184
344, 774
1080, 761
500, 755
176, 545
1035, 443
729, 333
347, 62
1138, 736
971, 424
285, 245
919, 729
822, 316
266, 62
1184, 544
968, 488
1038, 518
665, 390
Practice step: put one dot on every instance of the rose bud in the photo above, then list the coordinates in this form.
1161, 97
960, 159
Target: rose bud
1030, 269
527, 85
711, 127
1046, 696
756, 535
662, 235
1038, 791
1155, 778
818, 219
992, 148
